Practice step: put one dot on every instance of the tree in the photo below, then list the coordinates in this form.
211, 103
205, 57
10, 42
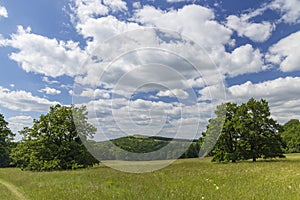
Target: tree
248, 133
53, 142
291, 136
259, 133
6, 137
227, 148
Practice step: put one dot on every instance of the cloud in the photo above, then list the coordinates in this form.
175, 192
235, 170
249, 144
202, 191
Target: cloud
258, 32
84, 10
141, 59
160, 58
290, 10
17, 123
174, 93
46, 56
116, 5
213, 93
276, 90
281, 93
22, 118
121, 116
23, 101
285, 53
101, 29
199, 24
136, 5
95, 94
3, 12
194, 21
241, 60
47, 80
51, 91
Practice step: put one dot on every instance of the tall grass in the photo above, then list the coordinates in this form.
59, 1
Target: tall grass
184, 179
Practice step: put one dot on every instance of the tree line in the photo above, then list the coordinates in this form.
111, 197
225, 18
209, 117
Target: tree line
238, 132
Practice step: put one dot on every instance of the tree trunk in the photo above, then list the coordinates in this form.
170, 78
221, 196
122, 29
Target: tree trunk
254, 159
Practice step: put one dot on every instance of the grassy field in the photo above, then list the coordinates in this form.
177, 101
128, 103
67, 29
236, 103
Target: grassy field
184, 179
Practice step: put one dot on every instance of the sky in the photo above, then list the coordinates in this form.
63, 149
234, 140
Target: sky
148, 67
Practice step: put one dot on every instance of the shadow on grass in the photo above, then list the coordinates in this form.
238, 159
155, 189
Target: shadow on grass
282, 160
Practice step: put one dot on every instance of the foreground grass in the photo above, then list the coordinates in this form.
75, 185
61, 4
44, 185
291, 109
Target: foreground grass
5, 194
184, 179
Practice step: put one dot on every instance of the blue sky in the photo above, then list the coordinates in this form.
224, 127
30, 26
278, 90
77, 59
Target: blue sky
148, 67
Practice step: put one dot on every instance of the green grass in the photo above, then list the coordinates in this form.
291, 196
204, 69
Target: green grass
5, 194
184, 179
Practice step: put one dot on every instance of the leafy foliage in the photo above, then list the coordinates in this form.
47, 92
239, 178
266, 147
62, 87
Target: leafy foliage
291, 136
6, 137
248, 133
227, 147
53, 142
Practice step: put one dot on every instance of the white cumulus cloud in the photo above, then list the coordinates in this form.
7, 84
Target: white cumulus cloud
242, 60
46, 56
281, 93
51, 91
285, 53
116, 5
84, 10
3, 12
195, 21
95, 94
23, 101
258, 32
178, 93
290, 10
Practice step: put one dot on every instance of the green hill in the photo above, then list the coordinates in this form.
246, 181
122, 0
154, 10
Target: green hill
140, 147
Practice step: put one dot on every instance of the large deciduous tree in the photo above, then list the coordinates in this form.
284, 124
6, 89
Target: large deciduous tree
53, 142
248, 133
259, 133
6, 137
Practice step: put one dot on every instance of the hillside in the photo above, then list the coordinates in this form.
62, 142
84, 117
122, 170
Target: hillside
139, 147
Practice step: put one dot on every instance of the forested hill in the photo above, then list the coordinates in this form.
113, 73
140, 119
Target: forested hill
145, 144
168, 148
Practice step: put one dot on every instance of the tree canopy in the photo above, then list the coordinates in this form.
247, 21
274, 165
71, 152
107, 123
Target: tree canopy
53, 142
248, 132
6, 137
291, 136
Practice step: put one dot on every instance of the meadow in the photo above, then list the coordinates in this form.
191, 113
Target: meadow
184, 179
